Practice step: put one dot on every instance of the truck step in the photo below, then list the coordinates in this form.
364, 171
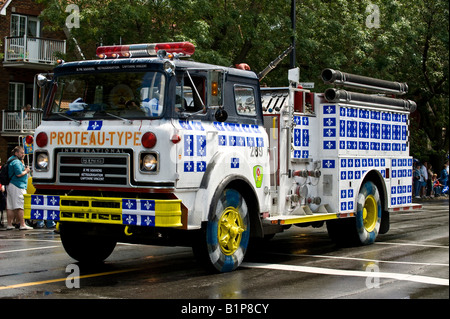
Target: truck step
298, 219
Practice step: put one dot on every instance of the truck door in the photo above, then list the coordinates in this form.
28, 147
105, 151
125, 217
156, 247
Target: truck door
194, 150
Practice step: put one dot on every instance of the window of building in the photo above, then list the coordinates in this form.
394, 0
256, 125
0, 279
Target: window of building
16, 96
21, 24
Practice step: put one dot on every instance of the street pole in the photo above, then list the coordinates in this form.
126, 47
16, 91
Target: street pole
292, 57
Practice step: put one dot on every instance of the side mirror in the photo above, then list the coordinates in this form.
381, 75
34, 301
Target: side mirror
215, 86
221, 115
42, 80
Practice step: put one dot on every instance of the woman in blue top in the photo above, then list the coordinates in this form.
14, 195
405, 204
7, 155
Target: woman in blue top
17, 188
443, 178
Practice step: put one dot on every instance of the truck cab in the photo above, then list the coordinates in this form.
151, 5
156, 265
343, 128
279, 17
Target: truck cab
144, 148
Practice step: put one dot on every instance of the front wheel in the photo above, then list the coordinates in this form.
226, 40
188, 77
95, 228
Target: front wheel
84, 246
223, 243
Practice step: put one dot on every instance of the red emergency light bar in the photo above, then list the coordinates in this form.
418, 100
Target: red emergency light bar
145, 50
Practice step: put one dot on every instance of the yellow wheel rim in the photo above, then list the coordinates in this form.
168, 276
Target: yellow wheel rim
370, 213
230, 229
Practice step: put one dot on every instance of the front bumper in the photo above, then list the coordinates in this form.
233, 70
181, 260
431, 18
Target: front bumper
104, 210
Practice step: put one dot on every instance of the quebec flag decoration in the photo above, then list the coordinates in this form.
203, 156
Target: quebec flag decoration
329, 109
140, 212
95, 125
45, 207
328, 163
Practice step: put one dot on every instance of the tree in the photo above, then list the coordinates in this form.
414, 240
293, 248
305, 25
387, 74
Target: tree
225, 32
408, 44
429, 79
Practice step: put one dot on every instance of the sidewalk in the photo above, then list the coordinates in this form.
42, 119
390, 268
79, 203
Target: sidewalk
430, 198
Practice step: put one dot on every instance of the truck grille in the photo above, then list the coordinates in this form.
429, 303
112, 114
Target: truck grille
93, 169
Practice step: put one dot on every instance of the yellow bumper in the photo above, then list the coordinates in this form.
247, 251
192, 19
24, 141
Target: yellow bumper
104, 210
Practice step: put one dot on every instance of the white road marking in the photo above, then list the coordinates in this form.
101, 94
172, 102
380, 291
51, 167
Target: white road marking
411, 244
27, 249
22, 239
365, 259
351, 273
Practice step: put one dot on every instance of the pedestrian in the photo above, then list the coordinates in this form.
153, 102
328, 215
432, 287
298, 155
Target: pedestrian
2, 202
417, 177
437, 186
446, 169
16, 189
443, 178
429, 186
424, 173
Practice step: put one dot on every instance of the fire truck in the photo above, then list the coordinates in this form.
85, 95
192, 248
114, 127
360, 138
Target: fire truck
145, 146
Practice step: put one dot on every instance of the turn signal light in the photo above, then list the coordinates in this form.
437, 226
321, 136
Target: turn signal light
214, 88
148, 140
175, 139
42, 139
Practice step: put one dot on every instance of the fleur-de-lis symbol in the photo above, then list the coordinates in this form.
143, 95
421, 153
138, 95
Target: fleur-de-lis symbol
148, 221
148, 205
53, 200
129, 204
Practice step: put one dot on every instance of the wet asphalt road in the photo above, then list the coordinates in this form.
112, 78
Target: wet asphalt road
409, 262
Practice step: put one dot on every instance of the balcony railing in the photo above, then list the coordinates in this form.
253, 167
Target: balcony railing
20, 121
34, 50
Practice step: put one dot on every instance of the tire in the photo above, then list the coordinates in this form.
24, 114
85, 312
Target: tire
364, 228
223, 243
368, 213
84, 247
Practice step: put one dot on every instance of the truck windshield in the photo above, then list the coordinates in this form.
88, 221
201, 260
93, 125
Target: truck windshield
105, 95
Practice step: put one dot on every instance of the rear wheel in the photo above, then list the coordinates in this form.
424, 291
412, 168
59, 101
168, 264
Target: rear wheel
223, 243
368, 213
364, 228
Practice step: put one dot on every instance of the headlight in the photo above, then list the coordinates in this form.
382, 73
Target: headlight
42, 161
149, 163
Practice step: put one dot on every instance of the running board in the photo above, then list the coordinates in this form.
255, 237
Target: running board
310, 217
299, 219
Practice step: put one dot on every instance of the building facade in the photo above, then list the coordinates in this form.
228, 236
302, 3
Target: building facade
27, 49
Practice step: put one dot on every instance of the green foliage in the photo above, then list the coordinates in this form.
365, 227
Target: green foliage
410, 45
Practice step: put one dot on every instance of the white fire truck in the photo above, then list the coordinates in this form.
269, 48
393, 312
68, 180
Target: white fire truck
142, 146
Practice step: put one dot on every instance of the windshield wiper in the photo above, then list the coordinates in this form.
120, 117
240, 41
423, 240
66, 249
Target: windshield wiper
118, 117
69, 118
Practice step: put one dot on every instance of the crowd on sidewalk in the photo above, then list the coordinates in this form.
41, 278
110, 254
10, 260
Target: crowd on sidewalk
428, 183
